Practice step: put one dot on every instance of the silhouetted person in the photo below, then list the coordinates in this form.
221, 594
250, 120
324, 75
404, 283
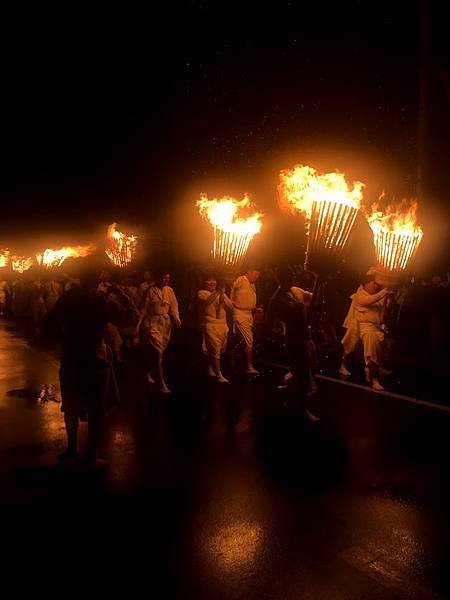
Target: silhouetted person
86, 376
287, 308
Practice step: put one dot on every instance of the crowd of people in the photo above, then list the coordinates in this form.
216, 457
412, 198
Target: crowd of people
98, 320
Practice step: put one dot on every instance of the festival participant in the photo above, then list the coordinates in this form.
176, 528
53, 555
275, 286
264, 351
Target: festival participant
364, 323
302, 295
148, 280
88, 386
38, 307
54, 289
214, 304
4, 293
305, 298
243, 297
104, 281
160, 312
284, 307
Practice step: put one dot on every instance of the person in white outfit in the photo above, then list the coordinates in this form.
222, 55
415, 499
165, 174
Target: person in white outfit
364, 324
160, 312
243, 297
4, 292
214, 304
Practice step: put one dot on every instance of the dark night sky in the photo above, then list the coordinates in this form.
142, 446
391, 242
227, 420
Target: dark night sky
122, 115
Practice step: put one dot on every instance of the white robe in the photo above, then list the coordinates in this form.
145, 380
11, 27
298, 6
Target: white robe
301, 295
214, 323
243, 297
160, 308
363, 323
3, 292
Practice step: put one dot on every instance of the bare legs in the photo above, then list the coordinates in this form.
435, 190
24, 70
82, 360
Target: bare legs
157, 359
215, 370
249, 361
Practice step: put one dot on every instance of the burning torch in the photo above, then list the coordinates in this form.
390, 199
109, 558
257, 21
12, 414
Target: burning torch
396, 237
121, 248
51, 258
328, 203
234, 225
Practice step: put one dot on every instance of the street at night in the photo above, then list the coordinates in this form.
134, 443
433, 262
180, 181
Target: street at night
224, 300
224, 493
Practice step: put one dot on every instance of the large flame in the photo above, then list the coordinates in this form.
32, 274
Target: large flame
329, 204
233, 226
20, 264
55, 257
121, 248
4, 257
396, 234
301, 186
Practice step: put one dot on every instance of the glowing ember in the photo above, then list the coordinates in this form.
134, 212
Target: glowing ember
20, 264
4, 257
233, 226
396, 234
121, 248
329, 204
55, 258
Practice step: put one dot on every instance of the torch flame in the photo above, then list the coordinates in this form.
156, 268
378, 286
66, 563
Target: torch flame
396, 234
55, 258
301, 186
20, 264
4, 257
329, 204
121, 248
232, 231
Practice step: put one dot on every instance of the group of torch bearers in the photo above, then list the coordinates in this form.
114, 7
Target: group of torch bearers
328, 205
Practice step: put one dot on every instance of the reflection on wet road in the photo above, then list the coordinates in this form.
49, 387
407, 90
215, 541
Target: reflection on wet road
223, 492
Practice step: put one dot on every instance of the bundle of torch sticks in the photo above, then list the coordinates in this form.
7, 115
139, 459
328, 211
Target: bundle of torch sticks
327, 202
120, 248
329, 207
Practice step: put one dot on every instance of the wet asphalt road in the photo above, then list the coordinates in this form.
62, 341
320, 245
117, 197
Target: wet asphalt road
224, 492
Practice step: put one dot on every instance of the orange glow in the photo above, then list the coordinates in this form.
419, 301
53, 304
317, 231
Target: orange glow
396, 234
55, 258
20, 264
4, 257
301, 186
234, 226
121, 248
329, 204
234, 546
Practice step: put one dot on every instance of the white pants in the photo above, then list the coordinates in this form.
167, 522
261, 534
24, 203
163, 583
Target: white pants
243, 322
215, 336
371, 337
159, 329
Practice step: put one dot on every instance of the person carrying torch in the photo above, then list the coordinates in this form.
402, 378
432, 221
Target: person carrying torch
364, 322
243, 297
214, 305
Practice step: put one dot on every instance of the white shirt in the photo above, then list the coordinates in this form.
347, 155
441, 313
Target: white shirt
215, 311
161, 301
301, 295
243, 295
369, 307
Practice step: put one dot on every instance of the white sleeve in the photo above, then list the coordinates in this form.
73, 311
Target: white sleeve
173, 310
